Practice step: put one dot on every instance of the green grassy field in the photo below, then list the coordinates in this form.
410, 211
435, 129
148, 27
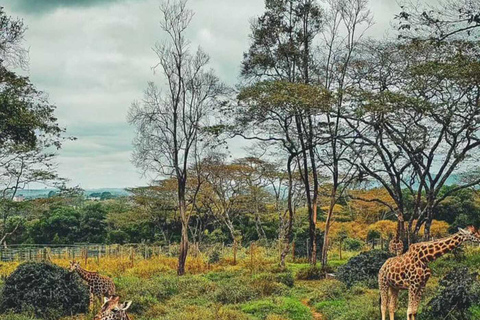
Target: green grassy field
255, 290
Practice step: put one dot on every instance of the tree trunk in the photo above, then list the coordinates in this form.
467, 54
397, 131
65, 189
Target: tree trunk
235, 247
327, 228
182, 258
288, 231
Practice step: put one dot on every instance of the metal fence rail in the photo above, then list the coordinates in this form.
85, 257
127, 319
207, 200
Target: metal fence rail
39, 252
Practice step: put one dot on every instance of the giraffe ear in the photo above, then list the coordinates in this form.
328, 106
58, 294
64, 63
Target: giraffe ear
463, 231
106, 299
126, 305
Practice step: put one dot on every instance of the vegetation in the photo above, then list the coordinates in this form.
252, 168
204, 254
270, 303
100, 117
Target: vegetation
44, 290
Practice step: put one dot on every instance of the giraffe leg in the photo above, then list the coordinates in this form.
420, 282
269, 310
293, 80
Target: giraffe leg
414, 298
383, 301
90, 306
393, 301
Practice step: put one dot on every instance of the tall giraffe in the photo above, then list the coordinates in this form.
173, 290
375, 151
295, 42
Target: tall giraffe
410, 271
113, 310
99, 286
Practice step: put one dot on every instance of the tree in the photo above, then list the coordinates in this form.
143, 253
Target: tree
281, 50
29, 132
417, 126
170, 125
269, 111
446, 20
341, 36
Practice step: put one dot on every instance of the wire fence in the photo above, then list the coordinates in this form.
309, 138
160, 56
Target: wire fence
39, 252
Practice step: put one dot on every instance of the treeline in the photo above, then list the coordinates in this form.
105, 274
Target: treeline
250, 213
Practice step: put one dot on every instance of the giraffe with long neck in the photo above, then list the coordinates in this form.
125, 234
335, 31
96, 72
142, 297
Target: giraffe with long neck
410, 271
112, 309
99, 286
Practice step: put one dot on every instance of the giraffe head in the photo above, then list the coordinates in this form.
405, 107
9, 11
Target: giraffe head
112, 309
74, 265
470, 234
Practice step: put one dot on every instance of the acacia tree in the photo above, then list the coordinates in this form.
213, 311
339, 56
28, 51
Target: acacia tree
268, 111
421, 121
346, 22
444, 20
281, 49
170, 125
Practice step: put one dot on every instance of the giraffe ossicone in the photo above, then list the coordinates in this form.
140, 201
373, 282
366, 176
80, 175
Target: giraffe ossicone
112, 309
409, 271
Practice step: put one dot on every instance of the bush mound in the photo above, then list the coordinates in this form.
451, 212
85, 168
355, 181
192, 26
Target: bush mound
363, 268
459, 292
44, 290
310, 273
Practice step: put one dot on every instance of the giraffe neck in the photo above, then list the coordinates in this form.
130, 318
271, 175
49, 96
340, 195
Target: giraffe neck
432, 250
84, 274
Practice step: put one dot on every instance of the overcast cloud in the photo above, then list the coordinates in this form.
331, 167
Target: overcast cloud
94, 57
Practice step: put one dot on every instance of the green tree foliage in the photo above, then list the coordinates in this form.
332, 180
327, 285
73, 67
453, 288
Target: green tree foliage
459, 290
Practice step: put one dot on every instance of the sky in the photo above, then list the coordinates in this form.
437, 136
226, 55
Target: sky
95, 57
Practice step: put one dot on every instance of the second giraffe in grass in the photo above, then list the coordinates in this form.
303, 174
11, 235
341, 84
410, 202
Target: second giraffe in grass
99, 286
410, 271
112, 309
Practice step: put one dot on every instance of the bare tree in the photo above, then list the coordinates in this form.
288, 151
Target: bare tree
170, 124
444, 20
347, 20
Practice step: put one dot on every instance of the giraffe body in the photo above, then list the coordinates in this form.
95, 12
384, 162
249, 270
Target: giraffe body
112, 309
410, 271
99, 286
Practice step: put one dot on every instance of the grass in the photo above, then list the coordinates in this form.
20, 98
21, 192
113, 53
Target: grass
254, 289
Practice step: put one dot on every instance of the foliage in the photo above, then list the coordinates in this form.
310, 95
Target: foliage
459, 290
45, 290
363, 268
310, 273
287, 307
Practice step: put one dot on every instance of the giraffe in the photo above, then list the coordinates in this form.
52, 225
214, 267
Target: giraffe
396, 246
410, 271
113, 310
99, 286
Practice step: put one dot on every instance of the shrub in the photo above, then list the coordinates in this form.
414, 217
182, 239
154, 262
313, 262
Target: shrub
459, 292
287, 308
330, 289
310, 273
235, 290
351, 244
363, 268
45, 290
214, 257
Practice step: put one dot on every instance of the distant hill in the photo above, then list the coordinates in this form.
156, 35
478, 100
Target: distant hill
43, 193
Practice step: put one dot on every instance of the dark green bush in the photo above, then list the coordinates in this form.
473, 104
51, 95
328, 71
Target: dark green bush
363, 268
310, 273
45, 290
351, 244
459, 291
